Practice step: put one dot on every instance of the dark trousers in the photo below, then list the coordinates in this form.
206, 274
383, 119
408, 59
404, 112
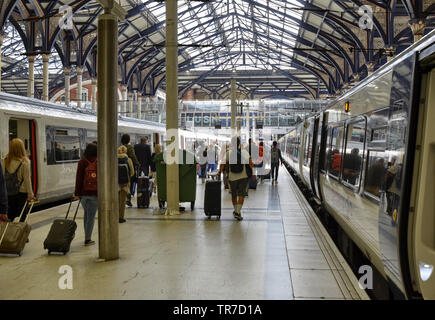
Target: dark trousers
274, 170
15, 206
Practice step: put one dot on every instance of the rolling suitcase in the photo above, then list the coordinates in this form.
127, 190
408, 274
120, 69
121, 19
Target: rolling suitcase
212, 198
61, 233
14, 235
143, 192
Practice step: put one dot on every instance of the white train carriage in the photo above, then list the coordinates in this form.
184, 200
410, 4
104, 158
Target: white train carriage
56, 136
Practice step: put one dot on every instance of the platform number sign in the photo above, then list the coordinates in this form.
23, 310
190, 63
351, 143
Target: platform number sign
66, 280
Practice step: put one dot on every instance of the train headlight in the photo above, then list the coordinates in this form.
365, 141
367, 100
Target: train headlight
425, 270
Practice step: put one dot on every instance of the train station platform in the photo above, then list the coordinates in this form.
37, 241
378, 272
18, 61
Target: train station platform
279, 251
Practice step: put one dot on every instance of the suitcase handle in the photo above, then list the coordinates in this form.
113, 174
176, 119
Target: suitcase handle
77, 209
30, 204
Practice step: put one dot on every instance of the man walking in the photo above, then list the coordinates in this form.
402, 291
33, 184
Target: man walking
143, 155
238, 159
275, 158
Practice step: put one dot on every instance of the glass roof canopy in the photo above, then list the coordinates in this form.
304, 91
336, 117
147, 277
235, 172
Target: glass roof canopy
236, 34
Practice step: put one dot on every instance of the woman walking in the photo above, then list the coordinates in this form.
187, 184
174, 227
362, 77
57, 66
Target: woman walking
86, 189
125, 175
17, 176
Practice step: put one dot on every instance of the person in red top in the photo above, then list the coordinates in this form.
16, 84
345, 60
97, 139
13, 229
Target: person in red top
86, 189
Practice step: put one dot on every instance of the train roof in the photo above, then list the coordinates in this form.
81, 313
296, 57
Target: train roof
24, 105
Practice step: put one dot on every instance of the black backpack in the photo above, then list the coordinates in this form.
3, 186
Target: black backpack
13, 185
237, 168
123, 171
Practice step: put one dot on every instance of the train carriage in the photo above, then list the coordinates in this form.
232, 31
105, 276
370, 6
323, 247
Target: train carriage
56, 136
366, 159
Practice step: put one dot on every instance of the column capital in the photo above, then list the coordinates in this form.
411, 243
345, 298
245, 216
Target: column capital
417, 27
370, 66
355, 77
2, 36
67, 70
79, 70
31, 59
45, 57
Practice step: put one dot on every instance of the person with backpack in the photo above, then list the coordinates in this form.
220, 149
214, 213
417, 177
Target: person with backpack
239, 164
17, 178
125, 140
125, 175
3, 197
275, 159
202, 158
87, 189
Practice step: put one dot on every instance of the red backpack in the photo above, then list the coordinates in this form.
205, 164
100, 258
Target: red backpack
90, 180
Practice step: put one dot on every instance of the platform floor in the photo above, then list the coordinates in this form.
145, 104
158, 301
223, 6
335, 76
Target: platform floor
279, 251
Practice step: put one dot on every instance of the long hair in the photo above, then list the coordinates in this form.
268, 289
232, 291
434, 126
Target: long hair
157, 148
16, 151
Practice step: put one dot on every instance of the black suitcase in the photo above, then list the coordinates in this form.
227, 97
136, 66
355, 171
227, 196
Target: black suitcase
61, 233
252, 182
143, 192
212, 198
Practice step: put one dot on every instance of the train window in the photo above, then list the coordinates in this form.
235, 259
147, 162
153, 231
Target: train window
377, 161
352, 163
66, 145
91, 136
376, 168
307, 151
334, 152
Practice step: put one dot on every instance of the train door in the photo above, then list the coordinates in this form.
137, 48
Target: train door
25, 130
314, 166
423, 200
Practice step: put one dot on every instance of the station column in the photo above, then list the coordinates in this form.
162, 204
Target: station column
67, 72
79, 71
31, 79
233, 106
172, 178
94, 93
2, 36
130, 104
45, 76
107, 63
139, 106
124, 102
